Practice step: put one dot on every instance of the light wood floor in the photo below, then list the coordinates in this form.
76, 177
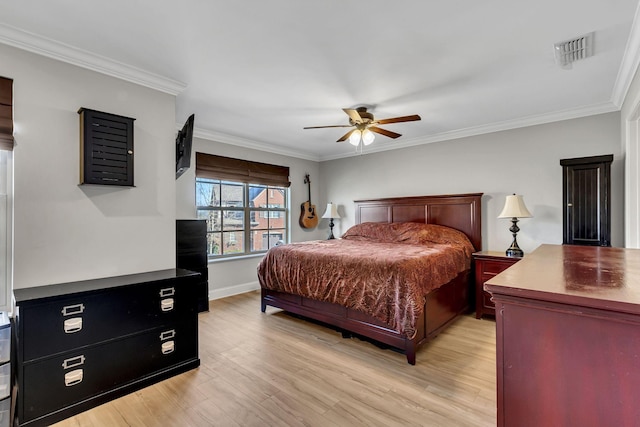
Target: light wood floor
275, 370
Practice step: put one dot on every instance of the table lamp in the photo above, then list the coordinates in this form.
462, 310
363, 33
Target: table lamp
514, 208
331, 212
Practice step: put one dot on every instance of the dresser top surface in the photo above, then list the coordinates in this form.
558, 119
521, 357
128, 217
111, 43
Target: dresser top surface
95, 285
593, 276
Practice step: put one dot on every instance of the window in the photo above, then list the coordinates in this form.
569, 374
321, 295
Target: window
241, 218
6, 114
271, 213
244, 204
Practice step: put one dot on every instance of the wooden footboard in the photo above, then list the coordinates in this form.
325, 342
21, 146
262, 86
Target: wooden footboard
443, 305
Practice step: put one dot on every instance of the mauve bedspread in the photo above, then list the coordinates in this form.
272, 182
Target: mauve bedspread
384, 270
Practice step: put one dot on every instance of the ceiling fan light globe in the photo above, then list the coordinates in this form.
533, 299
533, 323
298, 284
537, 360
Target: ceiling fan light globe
367, 137
354, 139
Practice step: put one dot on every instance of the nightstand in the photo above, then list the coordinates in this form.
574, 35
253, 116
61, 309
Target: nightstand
487, 265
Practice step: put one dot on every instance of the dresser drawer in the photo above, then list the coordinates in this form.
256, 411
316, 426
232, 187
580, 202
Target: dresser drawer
486, 301
494, 267
489, 270
61, 324
488, 264
486, 276
77, 375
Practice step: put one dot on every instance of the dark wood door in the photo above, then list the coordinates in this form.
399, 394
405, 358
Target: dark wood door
586, 200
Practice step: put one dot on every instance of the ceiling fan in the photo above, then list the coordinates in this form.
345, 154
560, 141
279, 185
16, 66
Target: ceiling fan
365, 125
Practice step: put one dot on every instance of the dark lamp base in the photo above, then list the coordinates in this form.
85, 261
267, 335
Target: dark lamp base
515, 252
331, 236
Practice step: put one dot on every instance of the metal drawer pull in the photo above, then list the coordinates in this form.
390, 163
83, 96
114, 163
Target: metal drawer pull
74, 377
73, 325
167, 292
166, 304
72, 362
168, 347
167, 335
72, 309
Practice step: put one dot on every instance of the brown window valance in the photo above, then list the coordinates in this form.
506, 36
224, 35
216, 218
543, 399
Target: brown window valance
6, 114
219, 167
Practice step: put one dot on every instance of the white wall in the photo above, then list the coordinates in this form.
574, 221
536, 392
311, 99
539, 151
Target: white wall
232, 276
524, 161
64, 232
630, 125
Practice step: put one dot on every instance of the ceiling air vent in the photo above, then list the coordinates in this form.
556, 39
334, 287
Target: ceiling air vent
570, 51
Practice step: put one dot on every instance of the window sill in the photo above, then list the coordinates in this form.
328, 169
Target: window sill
236, 258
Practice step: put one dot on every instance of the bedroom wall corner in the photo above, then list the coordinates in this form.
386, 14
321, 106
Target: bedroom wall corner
630, 128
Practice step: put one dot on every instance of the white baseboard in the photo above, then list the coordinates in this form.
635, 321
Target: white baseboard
233, 290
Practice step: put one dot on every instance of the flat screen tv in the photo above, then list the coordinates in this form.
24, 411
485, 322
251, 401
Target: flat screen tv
183, 147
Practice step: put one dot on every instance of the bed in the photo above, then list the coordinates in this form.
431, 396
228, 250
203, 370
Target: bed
398, 316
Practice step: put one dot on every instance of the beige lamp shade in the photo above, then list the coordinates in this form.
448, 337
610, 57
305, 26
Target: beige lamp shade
514, 207
331, 211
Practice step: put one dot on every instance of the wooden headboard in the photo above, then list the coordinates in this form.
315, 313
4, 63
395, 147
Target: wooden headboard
459, 211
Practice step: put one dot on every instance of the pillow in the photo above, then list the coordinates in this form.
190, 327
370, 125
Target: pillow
373, 231
414, 233
420, 234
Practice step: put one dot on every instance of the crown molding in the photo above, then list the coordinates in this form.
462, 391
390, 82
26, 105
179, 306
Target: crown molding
557, 116
63, 52
248, 143
629, 64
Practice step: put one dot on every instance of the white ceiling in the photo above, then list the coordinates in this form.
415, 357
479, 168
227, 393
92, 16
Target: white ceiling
256, 72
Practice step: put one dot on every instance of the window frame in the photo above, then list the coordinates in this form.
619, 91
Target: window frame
246, 209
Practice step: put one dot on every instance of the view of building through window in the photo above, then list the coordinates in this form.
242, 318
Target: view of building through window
241, 218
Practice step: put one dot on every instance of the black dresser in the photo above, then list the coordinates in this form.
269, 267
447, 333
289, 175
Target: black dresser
81, 344
191, 254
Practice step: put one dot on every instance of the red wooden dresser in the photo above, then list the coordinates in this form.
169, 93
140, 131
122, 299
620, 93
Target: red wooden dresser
568, 337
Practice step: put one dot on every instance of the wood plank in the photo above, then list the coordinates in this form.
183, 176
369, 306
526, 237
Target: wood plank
276, 369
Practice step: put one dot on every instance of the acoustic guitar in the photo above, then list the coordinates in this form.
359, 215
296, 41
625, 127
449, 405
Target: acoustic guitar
308, 217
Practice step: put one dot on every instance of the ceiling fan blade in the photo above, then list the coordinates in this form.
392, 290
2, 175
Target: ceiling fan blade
330, 126
353, 115
384, 132
412, 118
347, 135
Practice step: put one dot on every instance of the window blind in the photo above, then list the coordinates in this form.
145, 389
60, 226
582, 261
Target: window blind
220, 167
6, 114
